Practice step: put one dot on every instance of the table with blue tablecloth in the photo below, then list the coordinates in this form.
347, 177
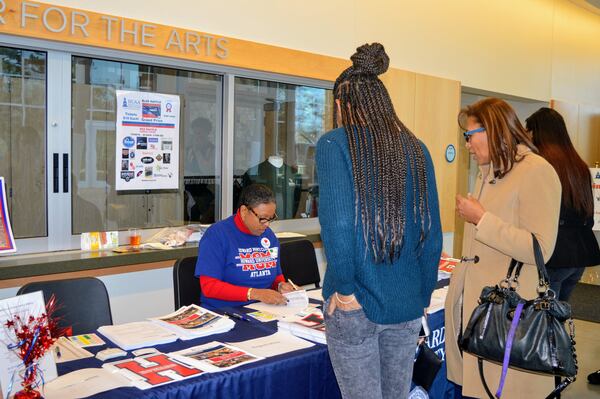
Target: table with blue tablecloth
305, 373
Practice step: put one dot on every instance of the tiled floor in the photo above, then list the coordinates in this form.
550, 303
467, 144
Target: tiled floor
587, 336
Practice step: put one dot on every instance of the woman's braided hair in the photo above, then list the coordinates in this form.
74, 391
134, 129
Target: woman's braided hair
382, 151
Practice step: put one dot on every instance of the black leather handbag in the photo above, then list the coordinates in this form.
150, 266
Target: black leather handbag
528, 335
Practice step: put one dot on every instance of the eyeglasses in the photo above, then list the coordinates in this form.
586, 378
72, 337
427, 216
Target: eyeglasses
262, 220
469, 133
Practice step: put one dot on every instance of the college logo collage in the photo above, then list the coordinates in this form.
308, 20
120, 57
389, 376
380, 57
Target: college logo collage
131, 169
258, 262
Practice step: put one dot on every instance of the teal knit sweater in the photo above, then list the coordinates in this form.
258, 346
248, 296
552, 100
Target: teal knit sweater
389, 293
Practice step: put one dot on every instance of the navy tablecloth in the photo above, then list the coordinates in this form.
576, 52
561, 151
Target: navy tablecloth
306, 373
301, 374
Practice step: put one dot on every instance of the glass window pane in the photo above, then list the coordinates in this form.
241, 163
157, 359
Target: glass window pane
23, 138
96, 204
276, 130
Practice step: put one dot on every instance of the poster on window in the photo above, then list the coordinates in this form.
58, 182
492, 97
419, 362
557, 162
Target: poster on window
596, 192
7, 240
147, 142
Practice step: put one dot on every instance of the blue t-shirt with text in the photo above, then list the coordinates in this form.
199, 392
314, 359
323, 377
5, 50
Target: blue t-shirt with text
237, 258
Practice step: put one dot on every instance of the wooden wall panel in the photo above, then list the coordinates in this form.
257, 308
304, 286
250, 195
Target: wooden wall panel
589, 133
401, 86
437, 102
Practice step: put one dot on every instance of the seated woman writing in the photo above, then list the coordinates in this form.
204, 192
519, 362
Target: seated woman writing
238, 258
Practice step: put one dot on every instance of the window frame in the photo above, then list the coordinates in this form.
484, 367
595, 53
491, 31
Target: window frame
58, 118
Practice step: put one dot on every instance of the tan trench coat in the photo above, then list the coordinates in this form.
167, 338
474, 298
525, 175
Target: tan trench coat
525, 201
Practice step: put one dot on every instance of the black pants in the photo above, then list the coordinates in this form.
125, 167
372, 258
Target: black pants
563, 280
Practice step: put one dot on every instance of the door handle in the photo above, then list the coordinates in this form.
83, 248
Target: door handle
65, 173
55, 172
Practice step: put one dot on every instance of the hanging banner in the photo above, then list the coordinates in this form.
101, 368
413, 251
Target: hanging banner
147, 142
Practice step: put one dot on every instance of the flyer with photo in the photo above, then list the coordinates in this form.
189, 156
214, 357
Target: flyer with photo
193, 321
215, 356
147, 141
190, 317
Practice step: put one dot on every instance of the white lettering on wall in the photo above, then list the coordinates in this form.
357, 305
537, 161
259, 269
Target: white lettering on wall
55, 19
2, 8
63, 19
80, 25
133, 32
222, 50
109, 21
192, 43
174, 39
25, 14
208, 39
147, 35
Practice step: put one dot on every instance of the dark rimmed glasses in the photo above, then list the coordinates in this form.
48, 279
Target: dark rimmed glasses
262, 220
469, 133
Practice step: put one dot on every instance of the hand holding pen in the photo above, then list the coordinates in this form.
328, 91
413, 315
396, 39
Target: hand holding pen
284, 287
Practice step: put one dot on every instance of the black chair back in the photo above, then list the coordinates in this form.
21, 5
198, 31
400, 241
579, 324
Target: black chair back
82, 303
186, 286
299, 262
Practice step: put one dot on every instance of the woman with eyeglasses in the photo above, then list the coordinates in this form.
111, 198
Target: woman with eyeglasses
380, 226
238, 258
517, 193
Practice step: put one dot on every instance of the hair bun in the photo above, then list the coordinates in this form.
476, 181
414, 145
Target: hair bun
370, 59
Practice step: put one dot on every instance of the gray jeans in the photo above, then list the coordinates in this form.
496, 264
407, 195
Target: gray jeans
370, 360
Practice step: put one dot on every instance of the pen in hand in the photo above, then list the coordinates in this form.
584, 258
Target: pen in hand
294, 285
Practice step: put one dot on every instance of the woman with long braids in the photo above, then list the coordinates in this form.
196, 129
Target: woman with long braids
380, 227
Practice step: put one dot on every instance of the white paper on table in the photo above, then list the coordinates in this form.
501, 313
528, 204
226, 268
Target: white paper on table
137, 334
273, 345
83, 383
68, 351
297, 302
297, 299
438, 298
31, 304
315, 294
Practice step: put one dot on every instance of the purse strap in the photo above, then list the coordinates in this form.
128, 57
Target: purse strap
508, 347
515, 267
543, 278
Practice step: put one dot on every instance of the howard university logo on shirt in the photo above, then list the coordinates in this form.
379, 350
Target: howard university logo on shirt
258, 262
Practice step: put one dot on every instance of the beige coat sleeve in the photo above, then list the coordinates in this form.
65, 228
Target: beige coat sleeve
539, 209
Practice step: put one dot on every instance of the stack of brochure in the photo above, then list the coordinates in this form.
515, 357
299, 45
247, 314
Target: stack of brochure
214, 356
188, 322
310, 326
192, 321
138, 334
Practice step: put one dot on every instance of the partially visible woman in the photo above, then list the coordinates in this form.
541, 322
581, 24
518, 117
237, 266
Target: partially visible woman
517, 193
380, 226
576, 246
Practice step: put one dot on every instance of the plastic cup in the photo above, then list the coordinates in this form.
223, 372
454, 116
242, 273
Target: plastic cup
135, 237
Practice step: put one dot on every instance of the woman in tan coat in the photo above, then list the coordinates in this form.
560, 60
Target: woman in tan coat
517, 193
